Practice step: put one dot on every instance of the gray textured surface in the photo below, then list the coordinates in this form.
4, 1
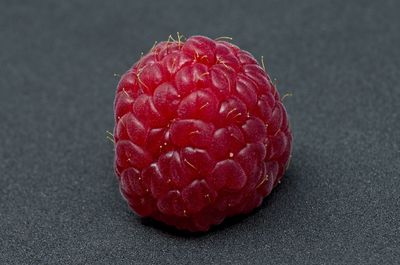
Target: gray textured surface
339, 202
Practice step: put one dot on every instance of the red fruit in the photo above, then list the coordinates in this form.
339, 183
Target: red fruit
201, 133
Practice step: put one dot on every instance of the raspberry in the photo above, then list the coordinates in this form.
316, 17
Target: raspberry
201, 133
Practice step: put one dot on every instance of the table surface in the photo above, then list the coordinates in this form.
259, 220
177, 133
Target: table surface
339, 202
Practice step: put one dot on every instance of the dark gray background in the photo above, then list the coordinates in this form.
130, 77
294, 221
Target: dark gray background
339, 202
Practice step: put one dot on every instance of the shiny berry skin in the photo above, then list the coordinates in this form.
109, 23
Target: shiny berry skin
200, 133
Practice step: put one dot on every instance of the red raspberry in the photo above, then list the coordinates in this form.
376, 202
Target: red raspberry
201, 133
